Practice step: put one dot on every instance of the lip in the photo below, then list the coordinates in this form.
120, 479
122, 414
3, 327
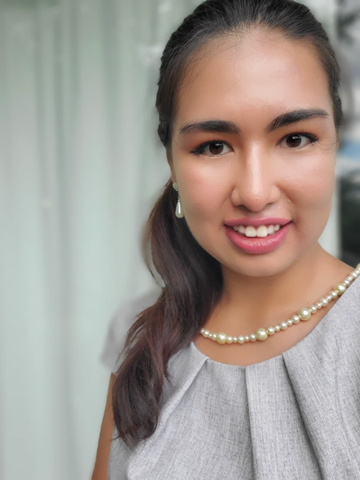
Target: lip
256, 222
258, 245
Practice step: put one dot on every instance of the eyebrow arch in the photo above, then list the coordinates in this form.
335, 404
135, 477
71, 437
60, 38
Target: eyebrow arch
223, 126
294, 117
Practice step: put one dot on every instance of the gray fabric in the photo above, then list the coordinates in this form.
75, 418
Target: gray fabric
295, 416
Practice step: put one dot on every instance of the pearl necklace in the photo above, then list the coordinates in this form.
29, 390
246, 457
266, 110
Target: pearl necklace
303, 314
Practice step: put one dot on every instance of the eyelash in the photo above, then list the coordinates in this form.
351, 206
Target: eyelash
200, 149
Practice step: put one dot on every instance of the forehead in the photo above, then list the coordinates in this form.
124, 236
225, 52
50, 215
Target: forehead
261, 74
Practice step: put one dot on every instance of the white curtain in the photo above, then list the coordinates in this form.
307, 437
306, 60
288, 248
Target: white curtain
80, 166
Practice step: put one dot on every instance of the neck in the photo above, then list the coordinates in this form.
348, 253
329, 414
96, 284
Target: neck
259, 301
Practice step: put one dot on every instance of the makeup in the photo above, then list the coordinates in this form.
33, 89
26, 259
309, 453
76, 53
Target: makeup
258, 245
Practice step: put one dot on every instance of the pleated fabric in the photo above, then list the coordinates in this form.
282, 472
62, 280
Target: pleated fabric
294, 416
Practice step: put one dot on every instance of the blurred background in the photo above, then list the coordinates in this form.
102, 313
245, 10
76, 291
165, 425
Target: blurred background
80, 168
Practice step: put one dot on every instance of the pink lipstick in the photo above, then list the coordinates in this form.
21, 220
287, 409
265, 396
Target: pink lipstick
257, 245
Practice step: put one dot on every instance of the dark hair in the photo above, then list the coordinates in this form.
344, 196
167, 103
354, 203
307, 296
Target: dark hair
192, 277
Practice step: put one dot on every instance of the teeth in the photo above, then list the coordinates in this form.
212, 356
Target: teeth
250, 231
262, 231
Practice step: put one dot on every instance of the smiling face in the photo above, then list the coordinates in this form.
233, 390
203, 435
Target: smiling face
265, 149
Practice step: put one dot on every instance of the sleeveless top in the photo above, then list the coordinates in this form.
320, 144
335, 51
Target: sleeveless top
294, 416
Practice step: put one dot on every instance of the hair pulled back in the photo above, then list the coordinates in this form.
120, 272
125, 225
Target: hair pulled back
192, 278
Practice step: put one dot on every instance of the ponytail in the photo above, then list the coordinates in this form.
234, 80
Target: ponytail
193, 283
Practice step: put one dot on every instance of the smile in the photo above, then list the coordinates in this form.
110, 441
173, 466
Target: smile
257, 240
261, 231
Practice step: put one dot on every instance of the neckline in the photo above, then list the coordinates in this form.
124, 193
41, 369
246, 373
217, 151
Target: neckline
330, 314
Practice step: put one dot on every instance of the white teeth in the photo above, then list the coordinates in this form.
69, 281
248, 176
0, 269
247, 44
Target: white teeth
250, 231
262, 231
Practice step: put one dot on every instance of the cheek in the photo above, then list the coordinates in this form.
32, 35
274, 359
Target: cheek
204, 191
317, 179
311, 192
206, 188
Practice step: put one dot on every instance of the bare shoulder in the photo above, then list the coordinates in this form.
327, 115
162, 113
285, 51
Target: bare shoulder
107, 427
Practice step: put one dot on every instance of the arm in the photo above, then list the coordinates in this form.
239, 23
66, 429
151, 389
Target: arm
107, 426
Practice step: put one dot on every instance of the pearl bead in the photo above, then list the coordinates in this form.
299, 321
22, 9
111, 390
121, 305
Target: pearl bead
261, 334
221, 338
340, 288
178, 211
324, 302
304, 314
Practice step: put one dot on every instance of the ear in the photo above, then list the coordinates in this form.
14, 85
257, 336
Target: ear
171, 165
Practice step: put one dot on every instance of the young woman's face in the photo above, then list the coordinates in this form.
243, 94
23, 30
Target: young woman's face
266, 152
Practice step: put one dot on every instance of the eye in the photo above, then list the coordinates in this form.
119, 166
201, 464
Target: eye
212, 149
297, 141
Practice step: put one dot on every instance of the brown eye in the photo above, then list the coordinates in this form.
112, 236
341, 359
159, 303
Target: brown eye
296, 140
293, 141
215, 148
212, 149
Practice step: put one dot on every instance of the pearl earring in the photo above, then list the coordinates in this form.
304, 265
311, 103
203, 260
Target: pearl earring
178, 211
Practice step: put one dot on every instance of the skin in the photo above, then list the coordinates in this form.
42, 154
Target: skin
250, 81
256, 173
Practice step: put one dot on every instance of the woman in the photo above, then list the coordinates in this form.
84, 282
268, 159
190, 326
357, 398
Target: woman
247, 366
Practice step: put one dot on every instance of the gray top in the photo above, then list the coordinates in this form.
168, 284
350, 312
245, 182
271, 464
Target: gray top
294, 416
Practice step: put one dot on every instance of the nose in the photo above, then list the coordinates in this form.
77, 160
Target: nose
255, 182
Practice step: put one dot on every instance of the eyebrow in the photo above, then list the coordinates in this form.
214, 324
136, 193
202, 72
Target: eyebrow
223, 126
